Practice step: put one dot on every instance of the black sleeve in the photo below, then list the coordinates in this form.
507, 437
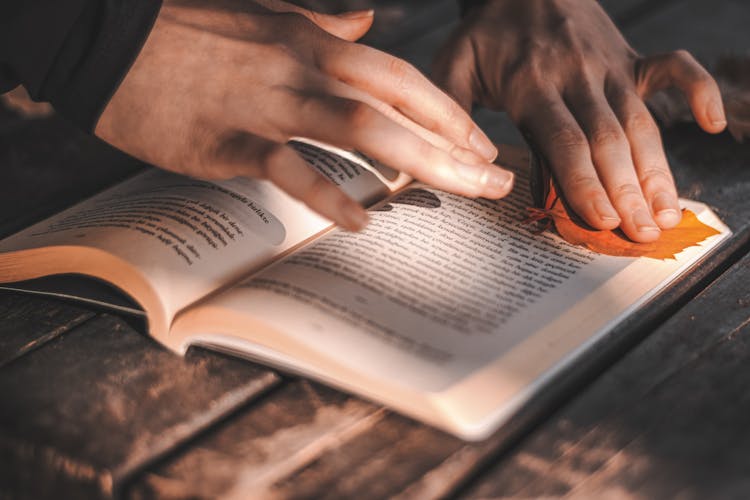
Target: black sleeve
72, 53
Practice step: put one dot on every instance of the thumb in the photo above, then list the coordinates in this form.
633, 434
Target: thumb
350, 26
680, 69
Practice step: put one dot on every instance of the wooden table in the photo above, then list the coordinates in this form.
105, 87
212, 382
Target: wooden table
91, 407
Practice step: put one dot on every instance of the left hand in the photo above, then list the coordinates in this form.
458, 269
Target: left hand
573, 85
221, 86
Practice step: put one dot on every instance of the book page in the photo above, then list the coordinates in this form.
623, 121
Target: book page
188, 237
435, 287
453, 311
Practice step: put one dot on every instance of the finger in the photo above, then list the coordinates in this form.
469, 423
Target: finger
352, 124
313, 82
351, 25
251, 156
680, 69
554, 131
329, 85
453, 71
402, 86
648, 156
610, 153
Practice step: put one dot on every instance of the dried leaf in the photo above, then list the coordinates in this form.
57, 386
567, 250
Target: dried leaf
689, 232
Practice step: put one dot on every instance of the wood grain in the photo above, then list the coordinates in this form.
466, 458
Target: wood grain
100, 402
29, 322
669, 393
282, 434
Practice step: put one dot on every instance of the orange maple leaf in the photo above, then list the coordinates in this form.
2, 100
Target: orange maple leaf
689, 232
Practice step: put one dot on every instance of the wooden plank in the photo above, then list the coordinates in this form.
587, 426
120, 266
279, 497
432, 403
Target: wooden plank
695, 441
586, 434
253, 451
29, 322
98, 403
379, 463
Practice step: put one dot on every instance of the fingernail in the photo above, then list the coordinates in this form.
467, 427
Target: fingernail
356, 14
605, 210
666, 209
716, 113
356, 219
485, 177
643, 221
482, 145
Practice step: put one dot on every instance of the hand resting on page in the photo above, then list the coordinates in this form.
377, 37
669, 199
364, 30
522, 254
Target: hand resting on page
576, 89
220, 87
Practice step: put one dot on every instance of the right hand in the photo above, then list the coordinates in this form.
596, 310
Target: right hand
569, 79
219, 88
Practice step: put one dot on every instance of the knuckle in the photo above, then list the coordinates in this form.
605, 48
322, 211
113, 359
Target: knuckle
529, 77
567, 28
703, 81
401, 71
640, 122
306, 104
453, 114
529, 72
656, 178
580, 187
356, 114
427, 151
580, 182
627, 192
607, 138
568, 139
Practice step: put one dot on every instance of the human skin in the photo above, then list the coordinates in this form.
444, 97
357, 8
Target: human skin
576, 89
220, 87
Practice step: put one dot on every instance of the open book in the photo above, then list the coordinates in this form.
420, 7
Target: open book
446, 309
